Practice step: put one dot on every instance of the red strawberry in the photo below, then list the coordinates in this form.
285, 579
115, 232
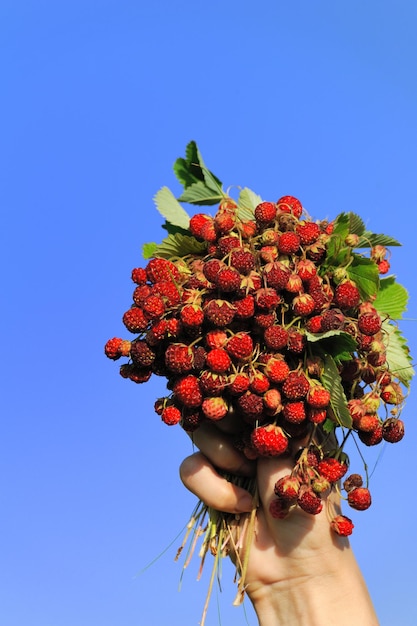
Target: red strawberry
352, 481
289, 243
276, 275
245, 308
238, 383
139, 275
272, 401
372, 438
197, 222
188, 392
309, 501
228, 243
258, 382
346, 295
265, 212
240, 346
384, 267
242, 260
267, 298
162, 269
153, 307
369, 323
216, 338
294, 284
289, 204
251, 405
192, 316
306, 269
359, 498
296, 341
228, 280
135, 374
275, 337
342, 525
218, 360
211, 268
135, 320
308, 232
332, 469
318, 397
316, 416
294, 412
171, 415
179, 358
277, 370
303, 305
141, 354
393, 430
287, 487
269, 440
220, 313
215, 408
212, 384
296, 386
113, 348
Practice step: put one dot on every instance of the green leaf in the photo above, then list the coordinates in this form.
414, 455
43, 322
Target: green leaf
356, 225
392, 298
339, 344
332, 382
369, 239
209, 178
148, 250
179, 245
341, 225
192, 169
248, 201
364, 272
199, 193
183, 173
398, 353
170, 208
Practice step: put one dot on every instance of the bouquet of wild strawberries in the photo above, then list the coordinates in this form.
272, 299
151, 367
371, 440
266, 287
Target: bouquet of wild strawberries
282, 320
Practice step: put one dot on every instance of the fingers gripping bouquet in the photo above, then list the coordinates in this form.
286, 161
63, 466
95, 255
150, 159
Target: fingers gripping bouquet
285, 323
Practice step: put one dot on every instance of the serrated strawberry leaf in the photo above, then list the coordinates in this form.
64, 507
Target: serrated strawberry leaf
364, 272
247, 202
148, 250
392, 298
179, 245
192, 169
369, 239
341, 225
356, 225
198, 193
169, 207
339, 344
172, 230
330, 379
398, 353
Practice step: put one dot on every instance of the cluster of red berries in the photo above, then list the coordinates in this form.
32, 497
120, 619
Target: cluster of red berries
233, 330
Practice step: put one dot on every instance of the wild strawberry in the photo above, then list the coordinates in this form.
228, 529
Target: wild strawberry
359, 498
208, 231
215, 408
342, 525
224, 222
247, 229
216, 338
251, 405
384, 267
211, 268
309, 501
294, 412
265, 212
306, 269
171, 415
279, 508
296, 341
218, 360
136, 374
258, 382
191, 419
265, 320
238, 383
332, 469
393, 429
199, 358
314, 324
276, 275
272, 401
378, 253
141, 354
369, 323
242, 260
368, 423
277, 370
392, 394
188, 392
289, 243
346, 295
269, 254
169, 292
269, 440
113, 348
153, 307
135, 320
141, 292
240, 346
332, 319
303, 305
192, 316
228, 280
179, 358
352, 481
139, 275
197, 222
289, 204
269, 237
308, 232
228, 243
372, 438
320, 485
212, 384
294, 284
245, 308
296, 386
276, 337
316, 416
318, 397
287, 487
161, 269
267, 298
220, 313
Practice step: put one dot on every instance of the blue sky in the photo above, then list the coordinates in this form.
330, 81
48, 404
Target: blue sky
315, 99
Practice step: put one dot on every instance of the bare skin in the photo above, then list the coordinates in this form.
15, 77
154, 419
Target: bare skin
300, 573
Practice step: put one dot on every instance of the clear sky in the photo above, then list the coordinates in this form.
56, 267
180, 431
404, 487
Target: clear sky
317, 99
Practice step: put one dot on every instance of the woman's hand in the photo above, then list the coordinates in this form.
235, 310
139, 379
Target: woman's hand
299, 571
